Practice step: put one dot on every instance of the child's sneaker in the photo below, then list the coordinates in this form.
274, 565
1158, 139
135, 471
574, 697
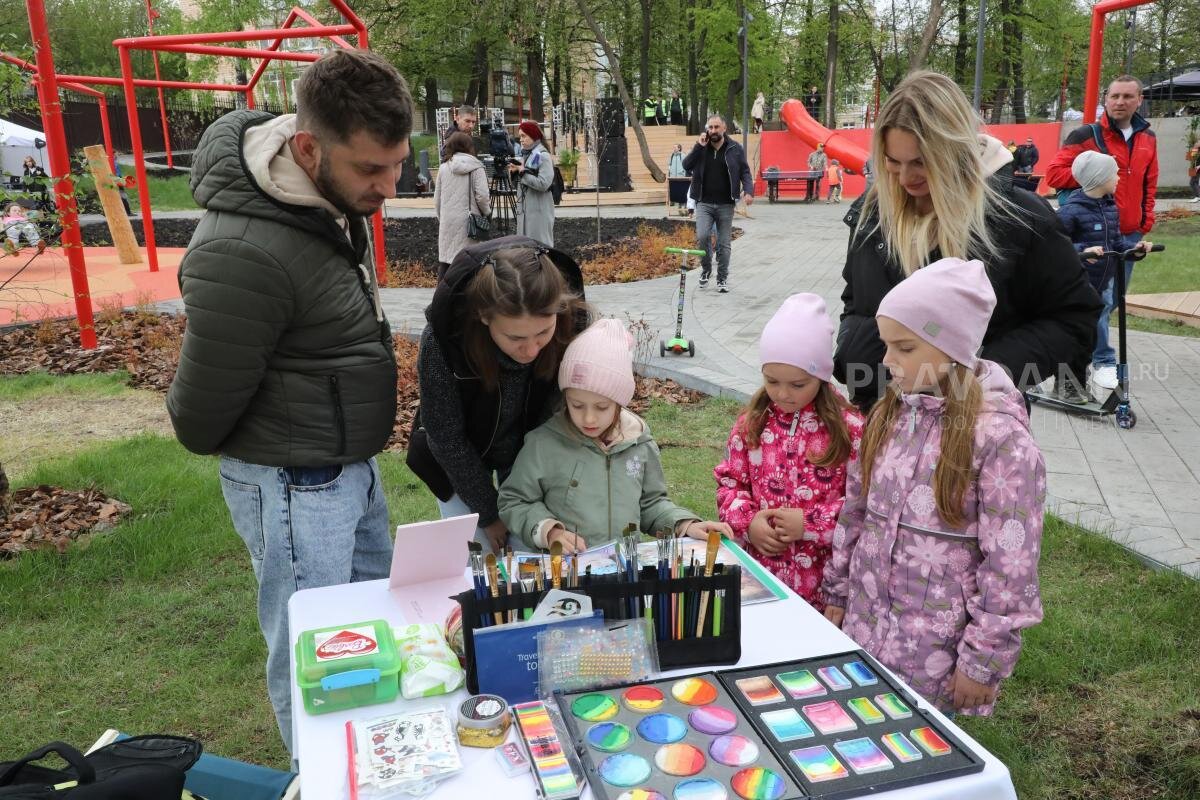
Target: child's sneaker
1068, 391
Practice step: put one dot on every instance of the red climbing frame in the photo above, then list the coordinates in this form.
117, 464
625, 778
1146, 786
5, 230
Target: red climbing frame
210, 44
48, 82
1091, 95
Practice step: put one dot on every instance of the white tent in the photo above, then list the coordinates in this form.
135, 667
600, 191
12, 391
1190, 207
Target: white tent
16, 142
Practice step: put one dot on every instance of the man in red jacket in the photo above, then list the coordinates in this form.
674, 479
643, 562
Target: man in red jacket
1127, 137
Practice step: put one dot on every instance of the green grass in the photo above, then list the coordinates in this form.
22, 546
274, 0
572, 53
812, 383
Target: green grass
166, 194
152, 628
41, 384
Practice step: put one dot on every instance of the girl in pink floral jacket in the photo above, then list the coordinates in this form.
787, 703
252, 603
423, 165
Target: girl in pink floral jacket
781, 485
935, 555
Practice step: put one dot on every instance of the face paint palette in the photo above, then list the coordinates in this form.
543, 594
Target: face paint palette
842, 727
677, 739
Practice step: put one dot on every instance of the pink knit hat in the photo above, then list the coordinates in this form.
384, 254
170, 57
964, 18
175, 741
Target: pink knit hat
600, 360
800, 335
948, 304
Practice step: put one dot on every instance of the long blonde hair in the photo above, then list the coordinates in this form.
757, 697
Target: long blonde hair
953, 475
934, 110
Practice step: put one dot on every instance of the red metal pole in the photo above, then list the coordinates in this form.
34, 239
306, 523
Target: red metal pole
377, 222
60, 165
162, 103
139, 157
249, 93
107, 131
311, 20
238, 52
1091, 94
150, 83
153, 42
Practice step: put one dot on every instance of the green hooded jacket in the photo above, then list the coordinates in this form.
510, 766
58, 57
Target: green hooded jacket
562, 475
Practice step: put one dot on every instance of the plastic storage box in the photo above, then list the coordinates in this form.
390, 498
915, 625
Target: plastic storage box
347, 666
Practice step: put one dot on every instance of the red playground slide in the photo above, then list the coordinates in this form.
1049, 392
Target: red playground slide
812, 133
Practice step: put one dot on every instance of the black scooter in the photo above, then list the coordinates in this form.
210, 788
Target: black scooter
1117, 403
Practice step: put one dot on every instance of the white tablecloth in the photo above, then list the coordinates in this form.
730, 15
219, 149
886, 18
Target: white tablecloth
771, 632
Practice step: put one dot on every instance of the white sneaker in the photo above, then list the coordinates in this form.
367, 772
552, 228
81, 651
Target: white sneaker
1105, 377
1194, 200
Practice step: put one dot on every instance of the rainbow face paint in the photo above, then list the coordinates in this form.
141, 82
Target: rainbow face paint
786, 725
904, 750
863, 756
893, 706
679, 759
758, 783
624, 769
713, 720
818, 764
699, 789
642, 794
829, 717
834, 677
662, 729
865, 710
801, 684
594, 707
759, 690
694, 692
860, 673
642, 698
931, 741
609, 736
733, 751
550, 766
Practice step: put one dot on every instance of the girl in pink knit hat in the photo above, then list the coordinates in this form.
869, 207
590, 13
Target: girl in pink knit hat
588, 472
783, 480
935, 556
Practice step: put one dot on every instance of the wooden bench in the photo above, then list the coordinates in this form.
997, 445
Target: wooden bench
811, 178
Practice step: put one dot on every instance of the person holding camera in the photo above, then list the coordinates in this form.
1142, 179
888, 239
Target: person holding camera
720, 175
533, 176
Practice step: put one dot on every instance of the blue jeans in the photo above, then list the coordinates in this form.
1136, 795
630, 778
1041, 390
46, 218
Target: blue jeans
1104, 355
720, 216
305, 527
455, 507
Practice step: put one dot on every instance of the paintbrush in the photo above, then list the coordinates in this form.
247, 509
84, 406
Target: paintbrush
494, 584
710, 558
556, 565
509, 577
475, 554
574, 570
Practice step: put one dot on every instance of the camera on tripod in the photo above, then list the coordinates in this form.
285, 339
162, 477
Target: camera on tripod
499, 145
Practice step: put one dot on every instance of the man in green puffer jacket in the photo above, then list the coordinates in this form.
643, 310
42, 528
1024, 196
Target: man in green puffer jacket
287, 369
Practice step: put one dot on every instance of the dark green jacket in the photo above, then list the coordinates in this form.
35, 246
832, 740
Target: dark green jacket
287, 360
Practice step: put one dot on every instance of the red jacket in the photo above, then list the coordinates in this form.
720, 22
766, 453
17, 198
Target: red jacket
1137, 161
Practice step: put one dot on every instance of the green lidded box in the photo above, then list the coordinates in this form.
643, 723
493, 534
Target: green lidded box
347, 666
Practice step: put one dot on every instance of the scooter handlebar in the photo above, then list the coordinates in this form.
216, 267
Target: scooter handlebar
1134, 253
683, 250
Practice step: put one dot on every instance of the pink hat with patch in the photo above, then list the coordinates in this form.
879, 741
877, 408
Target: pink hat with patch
948, 304
800, 335
600, 360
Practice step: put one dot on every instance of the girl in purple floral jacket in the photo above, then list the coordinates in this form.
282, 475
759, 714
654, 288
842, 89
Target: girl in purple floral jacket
935, 554
783, 480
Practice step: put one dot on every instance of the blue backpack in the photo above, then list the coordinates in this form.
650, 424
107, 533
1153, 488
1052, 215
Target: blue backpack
1098, 138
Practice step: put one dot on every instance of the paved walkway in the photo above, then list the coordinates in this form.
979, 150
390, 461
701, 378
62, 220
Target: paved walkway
1137, 487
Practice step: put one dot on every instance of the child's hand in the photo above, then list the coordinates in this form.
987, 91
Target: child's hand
1095, 252
497, 534
789, 524
571, 542
1145, 246
969, 693
835, 615
700, 530
764, 537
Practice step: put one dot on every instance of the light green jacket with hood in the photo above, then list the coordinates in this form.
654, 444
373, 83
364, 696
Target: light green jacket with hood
562, 476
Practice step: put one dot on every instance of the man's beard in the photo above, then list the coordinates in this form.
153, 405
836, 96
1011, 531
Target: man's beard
329, 189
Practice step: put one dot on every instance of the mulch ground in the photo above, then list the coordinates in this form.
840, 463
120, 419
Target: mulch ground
147, 346
629, 249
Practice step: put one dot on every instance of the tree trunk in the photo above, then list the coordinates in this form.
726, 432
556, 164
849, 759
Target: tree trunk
556, 80
961, 45
831, 56
644, 52
693, 97
1005, 63
535, 69
810, 45
431, 103
1016, 59
615, 65
5, 500
477, 90
917, 59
